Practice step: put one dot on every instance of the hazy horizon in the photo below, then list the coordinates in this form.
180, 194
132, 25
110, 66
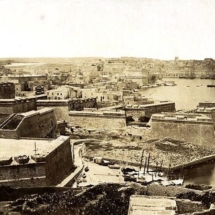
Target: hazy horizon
107, 29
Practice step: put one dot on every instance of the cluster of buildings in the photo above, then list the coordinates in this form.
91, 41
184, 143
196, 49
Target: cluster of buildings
33, 148
100, 94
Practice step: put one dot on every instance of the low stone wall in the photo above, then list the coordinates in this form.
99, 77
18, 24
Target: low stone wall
201, 133
97, 121
61, 112
59, 163
148, 110
18, 172
27, 182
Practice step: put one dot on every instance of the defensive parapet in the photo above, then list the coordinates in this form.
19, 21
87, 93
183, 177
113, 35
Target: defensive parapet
194, 128
137, 111
62, 107
98, 119
41, 124
209, 111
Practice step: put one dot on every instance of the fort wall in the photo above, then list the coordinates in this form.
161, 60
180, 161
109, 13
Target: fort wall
201, 133
18, 172
97, 120
40, 125
27, 182
59, 163
61, 112
9, 106
148, 110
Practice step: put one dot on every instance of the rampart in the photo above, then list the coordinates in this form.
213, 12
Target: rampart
40, 124
97, 120
194, 128
57, 162
206, 104
208, 111
9, 106
137, 111
17, 172
62, 107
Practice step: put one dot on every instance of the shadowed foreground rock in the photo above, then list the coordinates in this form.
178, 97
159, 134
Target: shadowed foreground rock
100, 199
103, 199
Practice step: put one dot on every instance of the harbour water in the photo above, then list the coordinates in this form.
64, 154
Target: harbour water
186, 94
203, 174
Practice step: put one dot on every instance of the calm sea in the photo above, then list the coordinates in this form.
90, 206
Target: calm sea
186, 95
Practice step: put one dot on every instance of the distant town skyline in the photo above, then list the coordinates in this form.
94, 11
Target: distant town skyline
108, 28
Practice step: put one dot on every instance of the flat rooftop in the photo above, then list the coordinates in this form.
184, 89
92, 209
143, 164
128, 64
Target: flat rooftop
15, 147
182, 117
156, 103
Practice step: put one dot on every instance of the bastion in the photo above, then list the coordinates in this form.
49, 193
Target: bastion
137, 111
194, 128
40, 124
98, 119
208, 111
35, 162
62, 107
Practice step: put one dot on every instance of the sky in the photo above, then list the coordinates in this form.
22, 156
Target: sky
160, 29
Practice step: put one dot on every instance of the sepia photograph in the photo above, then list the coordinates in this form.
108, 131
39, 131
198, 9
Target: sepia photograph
107, 107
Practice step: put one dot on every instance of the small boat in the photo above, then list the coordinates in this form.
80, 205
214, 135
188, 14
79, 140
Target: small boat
210, 85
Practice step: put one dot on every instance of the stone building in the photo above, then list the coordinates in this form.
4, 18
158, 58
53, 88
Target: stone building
35, 162
41, 124
7, 90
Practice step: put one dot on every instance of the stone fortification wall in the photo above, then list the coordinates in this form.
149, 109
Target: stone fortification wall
148, 110
8, 134
61, 112
22, 171
97, 120
38, 125
24, 105
6, 109
30, 182
210, 112
206, 104
9, 106
59, 163
61, 108
201, 133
